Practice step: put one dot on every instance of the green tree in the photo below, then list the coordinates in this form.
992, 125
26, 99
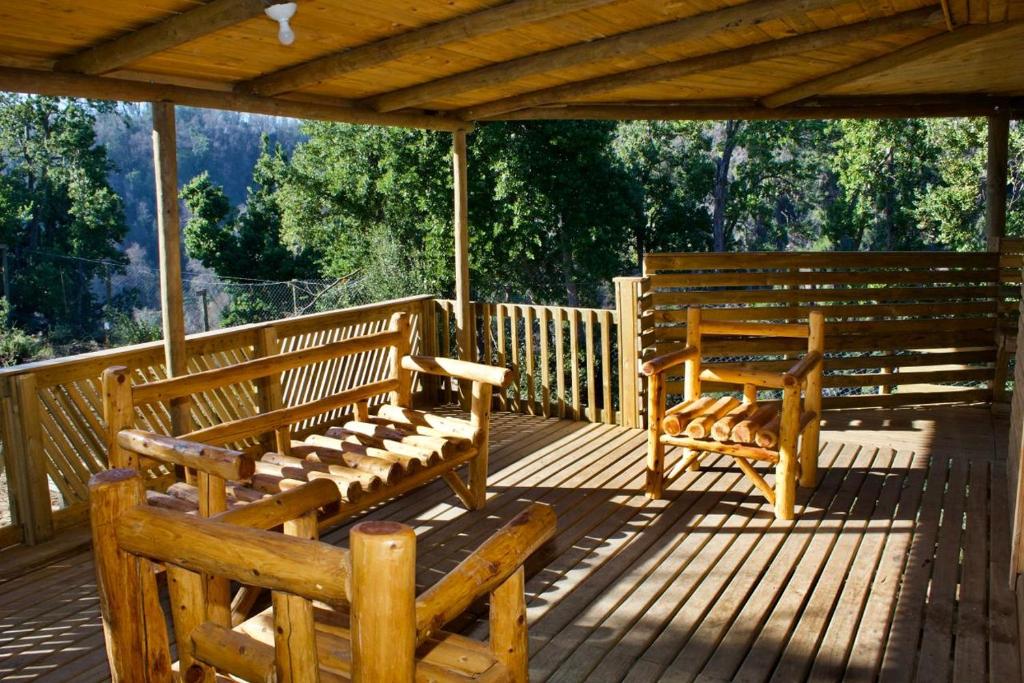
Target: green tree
245, 243
55, 203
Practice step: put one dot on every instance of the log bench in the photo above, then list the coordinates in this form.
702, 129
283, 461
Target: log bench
745, 429
369, 458
336, 615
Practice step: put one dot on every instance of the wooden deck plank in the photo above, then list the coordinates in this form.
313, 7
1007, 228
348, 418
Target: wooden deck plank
704, 585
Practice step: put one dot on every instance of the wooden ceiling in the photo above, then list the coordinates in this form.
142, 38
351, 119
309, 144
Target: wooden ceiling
444, 63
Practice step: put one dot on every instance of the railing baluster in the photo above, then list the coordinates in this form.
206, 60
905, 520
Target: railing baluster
500, 320
588, 318
531, 397
513, 318
545, 377
574, 363
558, 314
606, 366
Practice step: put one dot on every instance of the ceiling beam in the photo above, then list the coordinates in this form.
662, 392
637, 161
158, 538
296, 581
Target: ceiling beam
103, 88
785, 47
826, 108
893, 60
620, 46
163, 35
502, 17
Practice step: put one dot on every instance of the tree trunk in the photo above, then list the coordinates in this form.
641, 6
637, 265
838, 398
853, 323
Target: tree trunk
568, 266
720, 189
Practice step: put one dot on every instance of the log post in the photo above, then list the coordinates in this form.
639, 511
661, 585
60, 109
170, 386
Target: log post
463, 306
508, 626
812, 402
187, 598
294, 627
691, 367
785, 469
402, 396
32, 490
383, 602
165, 165
269, 393
119, 414
213, 501
995, 178
655, 448
627, 304
479, 419
133, 622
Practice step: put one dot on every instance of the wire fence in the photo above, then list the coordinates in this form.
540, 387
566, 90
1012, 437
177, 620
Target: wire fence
108, 304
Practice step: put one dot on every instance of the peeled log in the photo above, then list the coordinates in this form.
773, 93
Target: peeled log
700, 426
337, 436
745, 430
722, 429
341, 475
316, 448
387, 473
350, 492
677, 417
767, 435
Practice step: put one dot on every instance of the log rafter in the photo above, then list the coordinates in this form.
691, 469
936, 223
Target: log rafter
465, 27
929, 17
619, 46
892, 60
105, 88
163, 35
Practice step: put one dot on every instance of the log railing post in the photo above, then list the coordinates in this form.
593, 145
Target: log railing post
133, 621
294, 627
119, 414
508, 626
627, 304
402, 396
27, 463
995, 178
383, 602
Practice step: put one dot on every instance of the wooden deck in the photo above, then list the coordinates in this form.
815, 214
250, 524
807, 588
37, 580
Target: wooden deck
894, 570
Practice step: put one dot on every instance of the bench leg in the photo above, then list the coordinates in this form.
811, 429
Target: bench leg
655, 448
809, 446
480, 418
785, 469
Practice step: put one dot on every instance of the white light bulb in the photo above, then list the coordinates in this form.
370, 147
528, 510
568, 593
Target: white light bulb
281, 13
285, 34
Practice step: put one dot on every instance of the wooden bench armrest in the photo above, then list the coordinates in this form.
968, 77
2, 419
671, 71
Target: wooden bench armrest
669, 360
275, 510
221, 462
459, 369
485, 569
803, 367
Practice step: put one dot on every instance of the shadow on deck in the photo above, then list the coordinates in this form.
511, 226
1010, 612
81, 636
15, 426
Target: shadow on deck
894, 570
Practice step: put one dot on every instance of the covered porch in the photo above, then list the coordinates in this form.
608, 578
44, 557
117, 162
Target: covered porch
895, 569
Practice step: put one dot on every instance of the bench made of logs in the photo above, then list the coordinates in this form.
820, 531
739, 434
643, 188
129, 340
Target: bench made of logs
335, 615
369, 458
745, 430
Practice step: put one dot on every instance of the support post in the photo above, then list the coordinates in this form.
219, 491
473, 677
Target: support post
428, 347
463, 307
995, 179
269, 392
627, 305
32, 490
165, 166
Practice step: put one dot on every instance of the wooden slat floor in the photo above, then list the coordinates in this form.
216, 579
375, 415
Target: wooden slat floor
895, 569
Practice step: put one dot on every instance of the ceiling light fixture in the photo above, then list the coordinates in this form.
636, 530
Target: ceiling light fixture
281, 13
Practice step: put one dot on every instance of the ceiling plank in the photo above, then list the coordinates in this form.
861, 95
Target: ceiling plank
163, 35
105, 88
893, 60
618, 46
785, 47
465, 27
825, 108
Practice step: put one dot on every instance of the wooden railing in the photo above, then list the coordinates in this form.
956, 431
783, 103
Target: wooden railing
51, 417
901, 328
565, 360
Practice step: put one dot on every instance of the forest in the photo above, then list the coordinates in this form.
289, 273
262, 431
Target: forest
556, 208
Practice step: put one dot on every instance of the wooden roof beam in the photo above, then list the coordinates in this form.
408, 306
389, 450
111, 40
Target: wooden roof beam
893, 60
465, 27
785, 47
163, 35
620, 46
106, 88
824, 108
